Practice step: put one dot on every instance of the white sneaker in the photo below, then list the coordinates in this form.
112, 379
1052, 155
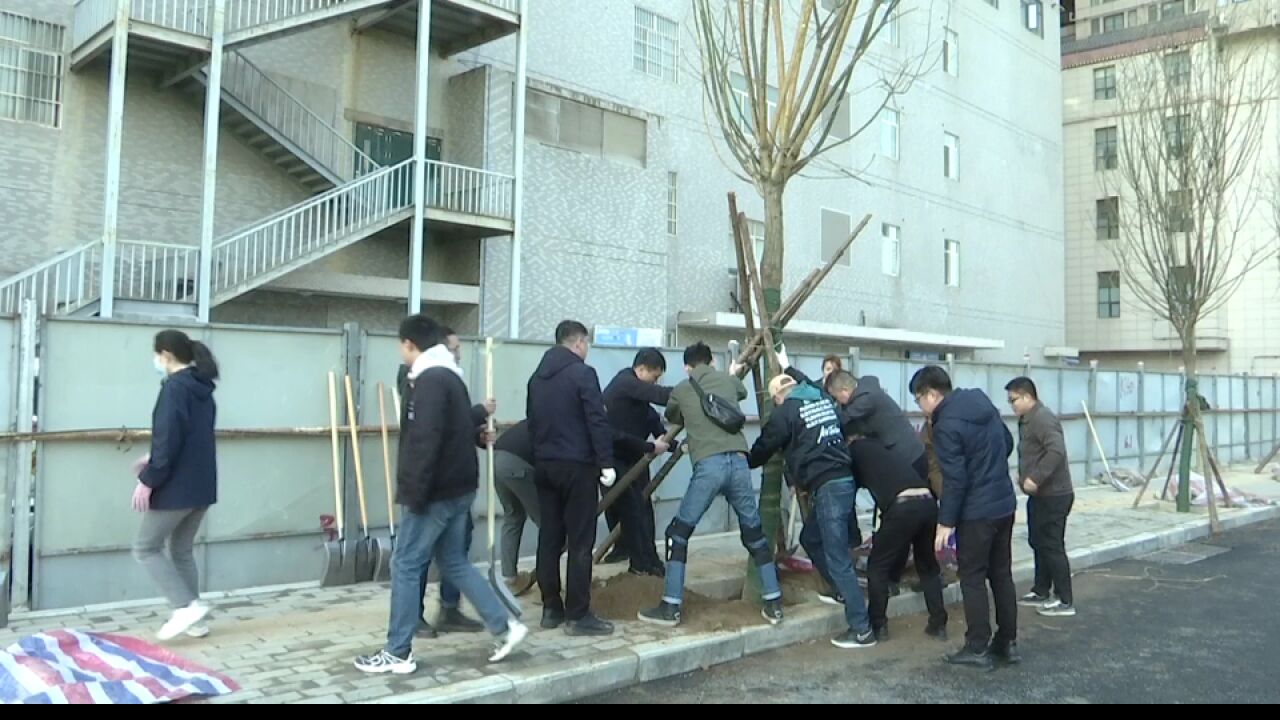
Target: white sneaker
1056, 608
183, 620
383, 662
199, 631
516, 633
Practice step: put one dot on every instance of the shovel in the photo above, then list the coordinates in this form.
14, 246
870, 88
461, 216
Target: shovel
499, 585
366, 551
338, 567
387, 546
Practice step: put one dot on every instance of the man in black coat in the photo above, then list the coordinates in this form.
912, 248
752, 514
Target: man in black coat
637, 432
573, 451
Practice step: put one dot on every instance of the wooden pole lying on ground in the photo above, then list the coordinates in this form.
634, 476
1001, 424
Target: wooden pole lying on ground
1115, 484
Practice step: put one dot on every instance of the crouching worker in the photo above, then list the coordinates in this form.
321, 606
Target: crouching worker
719, 453
805, 424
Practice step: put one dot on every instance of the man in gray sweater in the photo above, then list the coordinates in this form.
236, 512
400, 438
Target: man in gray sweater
1044, 474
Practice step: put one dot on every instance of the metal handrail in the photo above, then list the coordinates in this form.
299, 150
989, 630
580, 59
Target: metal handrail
63, 284
157, 272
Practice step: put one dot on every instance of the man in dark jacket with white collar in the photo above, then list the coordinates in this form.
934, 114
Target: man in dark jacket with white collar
436, 483
978, 504
573, 450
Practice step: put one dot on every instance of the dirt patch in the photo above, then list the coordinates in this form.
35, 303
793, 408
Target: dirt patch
623, 596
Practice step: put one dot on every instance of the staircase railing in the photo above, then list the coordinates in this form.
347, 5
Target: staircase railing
289, 116
469, 190
157, 272
311, 227
61, 285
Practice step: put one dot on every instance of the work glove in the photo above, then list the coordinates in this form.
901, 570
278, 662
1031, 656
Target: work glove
784, 362
608, 477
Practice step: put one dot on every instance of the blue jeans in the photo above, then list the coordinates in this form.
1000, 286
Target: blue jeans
439, 533
828, 548
450, 596
725, 474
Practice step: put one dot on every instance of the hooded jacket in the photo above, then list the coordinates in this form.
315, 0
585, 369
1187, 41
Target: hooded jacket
973, 446
807, 427
566, 412
182, 471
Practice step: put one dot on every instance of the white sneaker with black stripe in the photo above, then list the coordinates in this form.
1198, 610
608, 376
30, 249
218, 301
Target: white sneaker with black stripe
1056, 609
383, 663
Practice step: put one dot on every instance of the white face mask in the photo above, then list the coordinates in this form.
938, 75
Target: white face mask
159, 365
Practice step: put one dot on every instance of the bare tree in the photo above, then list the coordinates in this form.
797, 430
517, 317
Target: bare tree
777, 76
1190, 134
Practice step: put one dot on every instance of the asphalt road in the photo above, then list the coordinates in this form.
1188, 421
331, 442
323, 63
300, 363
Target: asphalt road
1147, 632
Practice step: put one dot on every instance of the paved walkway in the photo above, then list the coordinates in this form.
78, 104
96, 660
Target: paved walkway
295, 645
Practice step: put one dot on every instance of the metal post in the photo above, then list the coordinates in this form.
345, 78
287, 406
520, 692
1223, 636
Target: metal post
517, 217
1093, 407
855, 363
212, 110
20, 597
1142, 415
1248, 426
115, 145
416, 260
951, 366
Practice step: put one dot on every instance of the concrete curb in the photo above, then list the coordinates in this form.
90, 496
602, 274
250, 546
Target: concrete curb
681, 654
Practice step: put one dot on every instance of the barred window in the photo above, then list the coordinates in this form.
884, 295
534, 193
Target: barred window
31, 65
655, 45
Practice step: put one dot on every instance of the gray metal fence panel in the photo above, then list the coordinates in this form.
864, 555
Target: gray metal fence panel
9, 466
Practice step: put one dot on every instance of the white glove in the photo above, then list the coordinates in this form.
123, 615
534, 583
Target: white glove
608, 477
736, 369
783, 361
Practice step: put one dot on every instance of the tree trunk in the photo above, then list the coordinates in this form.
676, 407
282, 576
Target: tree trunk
1190, 416
771, 265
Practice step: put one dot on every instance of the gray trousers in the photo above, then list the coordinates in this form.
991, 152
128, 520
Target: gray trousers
175, 575
513, 478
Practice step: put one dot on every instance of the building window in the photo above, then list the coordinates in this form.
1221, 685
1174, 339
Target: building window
587, 129
1104, 83
951, 156
1179, 213
890, 250
1033, 16
1106, 148
951, 250
31, 66
742, 97
1113, 23
673, 206
1108, 211
890, 127
1108, 295
893, 25
842, 124
1174, 8
836, 227
951, 53
1177, 68
656, 45
1177, 134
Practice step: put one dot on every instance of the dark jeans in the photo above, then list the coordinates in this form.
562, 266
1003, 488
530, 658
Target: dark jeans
638, 525
1047, 522
450, 596
567, 498
826, 540
984, 549
907, 525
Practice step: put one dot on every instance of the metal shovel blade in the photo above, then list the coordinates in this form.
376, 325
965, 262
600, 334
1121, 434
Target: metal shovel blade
384, 547
366, 554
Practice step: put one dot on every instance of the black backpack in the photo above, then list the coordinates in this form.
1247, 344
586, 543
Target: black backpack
726, 415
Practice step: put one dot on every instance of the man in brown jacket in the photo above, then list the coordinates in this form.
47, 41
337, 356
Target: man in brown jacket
1044, 474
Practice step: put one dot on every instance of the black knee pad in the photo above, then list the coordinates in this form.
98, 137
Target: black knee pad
678, 535
757, 544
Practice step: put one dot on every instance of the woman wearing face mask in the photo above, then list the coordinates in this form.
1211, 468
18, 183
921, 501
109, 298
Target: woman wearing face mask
178, 481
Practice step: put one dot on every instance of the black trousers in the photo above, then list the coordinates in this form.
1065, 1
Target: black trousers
567, 497
984, 549
910, 524
1047, 521
635, 514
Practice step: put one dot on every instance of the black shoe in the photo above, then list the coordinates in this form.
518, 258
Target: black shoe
665, 615
882, 634
588, 626
1033, 600
425, 631
1005, 654
615, 557
968, 658
830, 597
452, 620
656, 571
853, 640
937, 633
772, 611
552, 619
